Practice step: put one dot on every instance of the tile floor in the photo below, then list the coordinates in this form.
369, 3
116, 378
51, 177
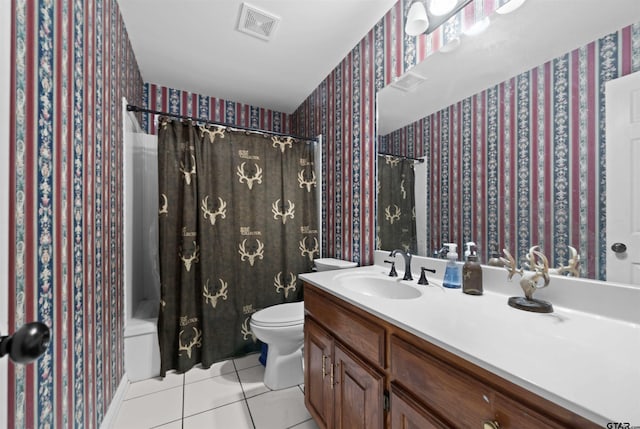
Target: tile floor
228, 395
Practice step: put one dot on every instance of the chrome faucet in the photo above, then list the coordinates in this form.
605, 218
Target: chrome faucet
407, 262
442, 253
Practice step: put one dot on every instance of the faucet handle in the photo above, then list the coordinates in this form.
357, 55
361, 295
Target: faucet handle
393, 272
423, 277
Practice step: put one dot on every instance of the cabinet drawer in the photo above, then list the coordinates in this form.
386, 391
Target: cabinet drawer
362, 335
447, 391
510, 414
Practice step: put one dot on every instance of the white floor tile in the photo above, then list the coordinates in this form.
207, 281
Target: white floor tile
247, 361
309, 424
151, 410
278, 409
252, 380
234, 416
141, 388
218, 368
211, 393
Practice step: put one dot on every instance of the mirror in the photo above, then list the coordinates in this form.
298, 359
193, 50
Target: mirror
511, 124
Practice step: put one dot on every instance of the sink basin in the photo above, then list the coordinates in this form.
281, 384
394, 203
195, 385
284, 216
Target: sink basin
378, 286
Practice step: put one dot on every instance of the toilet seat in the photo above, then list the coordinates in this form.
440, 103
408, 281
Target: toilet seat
288, 314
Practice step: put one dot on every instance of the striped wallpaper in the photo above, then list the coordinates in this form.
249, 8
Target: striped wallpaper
160, 98
71, 65
342, 109
523, 162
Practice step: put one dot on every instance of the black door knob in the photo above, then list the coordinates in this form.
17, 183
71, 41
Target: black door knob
619, 247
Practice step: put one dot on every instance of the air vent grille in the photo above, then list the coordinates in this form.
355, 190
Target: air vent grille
256, 22
408, 81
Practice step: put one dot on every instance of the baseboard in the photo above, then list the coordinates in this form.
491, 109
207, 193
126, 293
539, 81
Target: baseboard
112, 413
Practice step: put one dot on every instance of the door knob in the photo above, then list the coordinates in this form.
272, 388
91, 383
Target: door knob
619, 247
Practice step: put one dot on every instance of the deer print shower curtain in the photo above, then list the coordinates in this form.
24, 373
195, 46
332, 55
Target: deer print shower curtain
396, 204
238, 223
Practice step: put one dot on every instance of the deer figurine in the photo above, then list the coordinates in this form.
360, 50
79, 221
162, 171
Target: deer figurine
572, 265
530, 281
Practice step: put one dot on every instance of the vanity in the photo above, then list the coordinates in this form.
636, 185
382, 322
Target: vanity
381, 356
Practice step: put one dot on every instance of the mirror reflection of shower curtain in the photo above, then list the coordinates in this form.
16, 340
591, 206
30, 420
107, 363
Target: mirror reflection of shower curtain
396, 204
238, 223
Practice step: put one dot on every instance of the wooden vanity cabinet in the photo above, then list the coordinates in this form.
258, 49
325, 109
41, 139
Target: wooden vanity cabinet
363, 372
342, 390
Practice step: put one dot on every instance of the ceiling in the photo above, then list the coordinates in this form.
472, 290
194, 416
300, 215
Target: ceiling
193, 45
537, 32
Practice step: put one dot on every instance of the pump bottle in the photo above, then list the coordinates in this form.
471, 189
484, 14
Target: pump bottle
452, 277
472, 274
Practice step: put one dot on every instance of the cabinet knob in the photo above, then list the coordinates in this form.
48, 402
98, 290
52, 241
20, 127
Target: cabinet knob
488, 424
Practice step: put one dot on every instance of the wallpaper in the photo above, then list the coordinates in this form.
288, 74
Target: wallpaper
342, 109
523, 162
72, 64
163, 99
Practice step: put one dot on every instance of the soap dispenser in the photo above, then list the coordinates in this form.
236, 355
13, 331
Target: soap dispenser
472, 274
452, 271
469, 247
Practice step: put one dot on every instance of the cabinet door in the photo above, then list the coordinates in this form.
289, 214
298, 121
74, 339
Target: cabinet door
408, 414
318, 393
358, 393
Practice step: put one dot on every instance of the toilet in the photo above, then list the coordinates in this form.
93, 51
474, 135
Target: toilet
281, 327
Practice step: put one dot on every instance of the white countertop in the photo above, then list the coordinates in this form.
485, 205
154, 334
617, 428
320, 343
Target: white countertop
585, 362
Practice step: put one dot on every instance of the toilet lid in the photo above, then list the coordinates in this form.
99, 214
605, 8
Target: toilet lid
280, 315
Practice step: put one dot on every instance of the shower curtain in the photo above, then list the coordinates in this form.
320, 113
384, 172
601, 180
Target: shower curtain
396, 204
238, 223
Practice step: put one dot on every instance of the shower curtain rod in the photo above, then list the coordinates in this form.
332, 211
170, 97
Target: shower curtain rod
132, 108
400, 156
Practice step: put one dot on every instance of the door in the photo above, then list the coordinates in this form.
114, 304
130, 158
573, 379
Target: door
318, 391
358, 393
5, 142
623, 179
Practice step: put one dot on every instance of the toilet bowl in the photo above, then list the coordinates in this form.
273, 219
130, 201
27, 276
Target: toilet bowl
281, 328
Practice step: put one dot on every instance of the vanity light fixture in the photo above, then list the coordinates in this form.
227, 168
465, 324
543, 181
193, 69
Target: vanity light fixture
424, 16
509, 6
417, 19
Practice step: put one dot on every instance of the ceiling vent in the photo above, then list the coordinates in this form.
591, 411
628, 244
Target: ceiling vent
256, 22
408, 81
